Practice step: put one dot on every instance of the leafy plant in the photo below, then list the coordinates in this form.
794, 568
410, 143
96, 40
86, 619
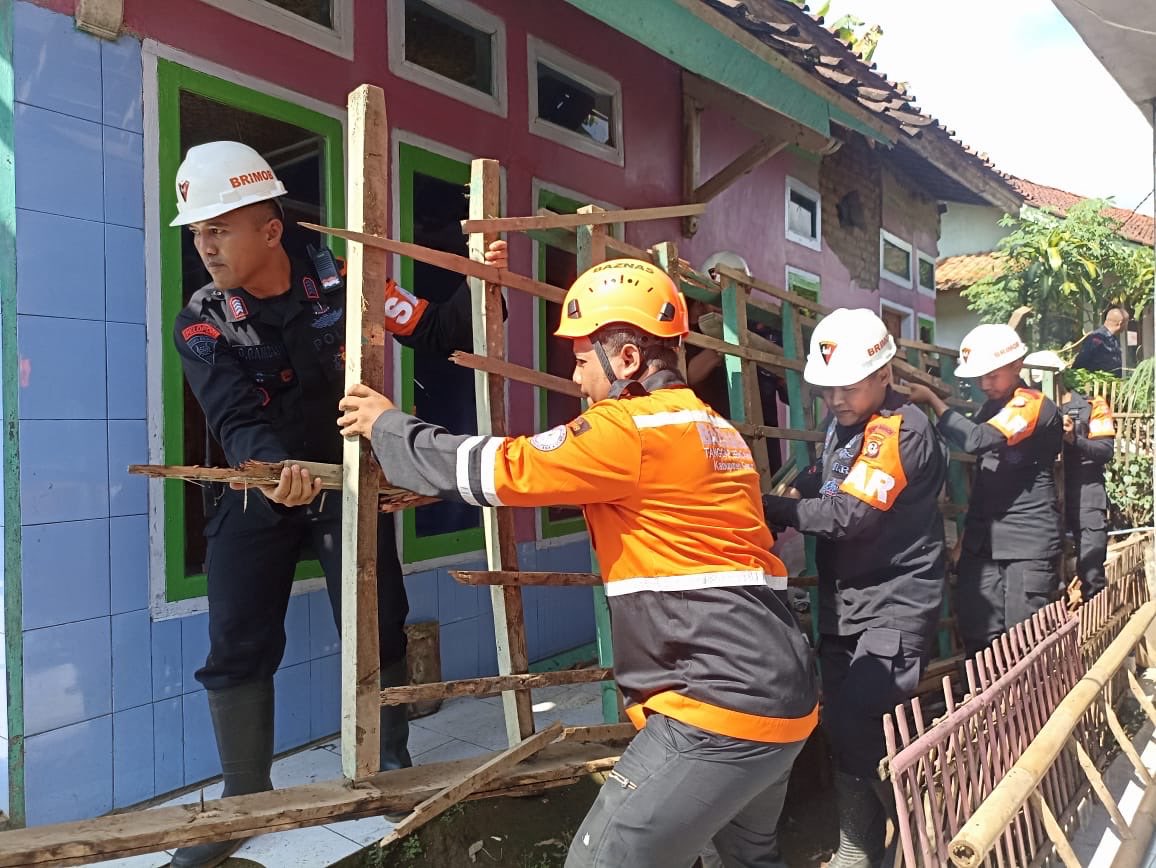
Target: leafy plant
1128, 482
861, 38
1067, 270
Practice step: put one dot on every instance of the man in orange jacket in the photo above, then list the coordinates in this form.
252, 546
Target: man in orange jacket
716, 674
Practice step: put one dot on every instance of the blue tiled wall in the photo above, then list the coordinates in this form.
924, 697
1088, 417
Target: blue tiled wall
113, 713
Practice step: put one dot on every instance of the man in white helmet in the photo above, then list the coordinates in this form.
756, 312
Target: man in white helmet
872, 501
1089, 444
1008, 565
263, 351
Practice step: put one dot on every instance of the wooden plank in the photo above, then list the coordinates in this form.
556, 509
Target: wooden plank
742, 376
449, 261
748, 160
605, 734
582, 218
691, 156
129, 834
525, 577
712, 326
772, 290
765, 359
497, 523
490, 685
927, 348
511, 371
487, 772
390, 499
365, 363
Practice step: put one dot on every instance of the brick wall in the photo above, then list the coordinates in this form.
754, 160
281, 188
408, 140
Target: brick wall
851, 184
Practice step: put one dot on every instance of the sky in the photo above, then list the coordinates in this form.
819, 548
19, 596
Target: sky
1014, 80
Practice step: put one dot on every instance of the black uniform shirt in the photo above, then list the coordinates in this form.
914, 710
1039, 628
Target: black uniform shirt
1086, 457
873, 503
268, 373
1100, 352
1012, 513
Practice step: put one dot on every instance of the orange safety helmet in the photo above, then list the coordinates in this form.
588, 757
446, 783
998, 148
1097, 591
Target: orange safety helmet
628, 291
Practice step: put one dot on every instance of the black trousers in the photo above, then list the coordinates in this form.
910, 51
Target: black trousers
993, 596
250, 562
864, 677
1089, 529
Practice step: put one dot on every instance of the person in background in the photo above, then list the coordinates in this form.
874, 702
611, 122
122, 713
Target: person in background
1101, 350
1009, 561
1089, 444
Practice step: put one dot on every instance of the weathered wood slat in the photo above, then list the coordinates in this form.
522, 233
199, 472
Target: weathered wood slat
510, 577
256, 473
511, 371
487, 772
598, 218
119, 835
491, 685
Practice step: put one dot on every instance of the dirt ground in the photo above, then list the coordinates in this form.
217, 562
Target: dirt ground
535, 832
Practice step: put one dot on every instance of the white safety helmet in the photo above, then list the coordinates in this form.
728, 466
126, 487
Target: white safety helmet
219, 177
847, 346
988, 347
1043, 360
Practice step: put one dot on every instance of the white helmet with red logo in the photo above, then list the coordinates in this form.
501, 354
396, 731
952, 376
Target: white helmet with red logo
847, 346
988, 347
219, 177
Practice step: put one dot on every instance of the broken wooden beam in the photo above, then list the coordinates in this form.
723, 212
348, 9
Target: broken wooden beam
509, 577
747, 161
471, 782
511, 371
449, 261
491, 685
130, 834
594, 218
256, 473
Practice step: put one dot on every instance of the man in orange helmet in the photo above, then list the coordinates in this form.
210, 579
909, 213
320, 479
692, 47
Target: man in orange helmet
716, 674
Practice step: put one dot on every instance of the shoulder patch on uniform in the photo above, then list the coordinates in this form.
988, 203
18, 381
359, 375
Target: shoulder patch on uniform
238, 308
877, 478
201, 338
579, 426
548, 441
326, 318
1019, 416
1101, 424
403, 310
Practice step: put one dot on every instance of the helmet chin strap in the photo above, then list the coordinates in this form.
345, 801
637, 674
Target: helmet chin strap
618, 385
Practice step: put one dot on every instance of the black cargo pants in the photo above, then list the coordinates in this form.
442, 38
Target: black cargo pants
251, 559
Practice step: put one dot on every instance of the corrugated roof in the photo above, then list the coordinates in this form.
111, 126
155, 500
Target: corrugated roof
960, 272
1133, 225
804, 40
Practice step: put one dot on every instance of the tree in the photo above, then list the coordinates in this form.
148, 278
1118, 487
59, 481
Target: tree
1068, 270
854, 32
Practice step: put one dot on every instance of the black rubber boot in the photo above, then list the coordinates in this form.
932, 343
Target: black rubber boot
243, 724
862, 823
394, 727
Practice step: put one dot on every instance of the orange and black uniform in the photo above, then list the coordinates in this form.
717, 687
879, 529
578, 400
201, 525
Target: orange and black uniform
872, 502
268, 373
1011, 538
1085, 499
702, 631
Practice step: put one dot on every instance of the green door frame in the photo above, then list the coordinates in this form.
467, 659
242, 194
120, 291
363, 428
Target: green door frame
172, 79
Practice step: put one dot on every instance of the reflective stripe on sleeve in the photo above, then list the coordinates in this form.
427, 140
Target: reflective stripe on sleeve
695, 582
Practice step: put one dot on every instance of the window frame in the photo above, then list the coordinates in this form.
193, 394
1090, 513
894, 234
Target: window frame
922, 319
172, 592
920, 257
908, 316
543, 193
412, 154
898, 279
538, 50
792, 271
338, 40
472, 15
797, 186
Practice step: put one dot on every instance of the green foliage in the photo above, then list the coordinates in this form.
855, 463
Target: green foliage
1084, 382
1067, 270
1128, 482
1138, 394
850, 30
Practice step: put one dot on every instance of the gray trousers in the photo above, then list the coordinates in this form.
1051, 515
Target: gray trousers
991, 596
677, 789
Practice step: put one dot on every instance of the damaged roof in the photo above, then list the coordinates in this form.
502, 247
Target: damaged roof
926, 150
1133, 225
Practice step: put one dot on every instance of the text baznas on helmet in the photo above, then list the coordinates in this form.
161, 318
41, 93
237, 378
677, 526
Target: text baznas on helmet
624, 291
